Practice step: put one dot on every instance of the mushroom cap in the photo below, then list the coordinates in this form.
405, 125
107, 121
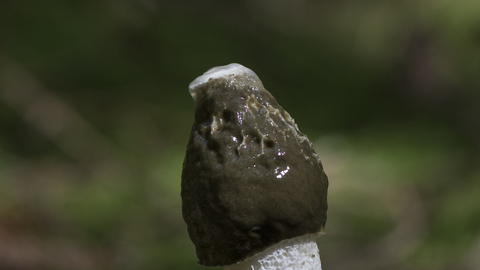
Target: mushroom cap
250, 178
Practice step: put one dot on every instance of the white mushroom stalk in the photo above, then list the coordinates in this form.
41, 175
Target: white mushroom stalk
299, 253
254, 192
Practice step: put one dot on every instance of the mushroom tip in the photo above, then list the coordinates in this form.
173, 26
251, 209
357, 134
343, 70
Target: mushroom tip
232, 69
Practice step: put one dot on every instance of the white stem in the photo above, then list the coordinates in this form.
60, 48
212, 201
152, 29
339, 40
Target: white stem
299, 253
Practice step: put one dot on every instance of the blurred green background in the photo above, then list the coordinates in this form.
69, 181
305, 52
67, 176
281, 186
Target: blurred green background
95, 116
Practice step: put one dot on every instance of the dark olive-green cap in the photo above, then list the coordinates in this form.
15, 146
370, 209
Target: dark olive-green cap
250, 178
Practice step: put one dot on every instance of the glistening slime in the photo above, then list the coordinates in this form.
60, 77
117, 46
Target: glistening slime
250, 178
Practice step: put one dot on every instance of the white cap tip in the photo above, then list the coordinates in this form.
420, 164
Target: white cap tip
218, 72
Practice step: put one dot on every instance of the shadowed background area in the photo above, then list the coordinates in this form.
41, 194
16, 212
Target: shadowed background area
95, 117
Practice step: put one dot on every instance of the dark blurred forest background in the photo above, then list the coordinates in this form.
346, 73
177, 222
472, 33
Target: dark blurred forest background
95, 116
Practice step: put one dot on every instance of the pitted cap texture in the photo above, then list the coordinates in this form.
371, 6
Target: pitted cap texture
250, 178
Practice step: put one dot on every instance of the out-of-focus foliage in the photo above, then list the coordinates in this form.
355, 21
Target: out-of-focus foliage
95, 116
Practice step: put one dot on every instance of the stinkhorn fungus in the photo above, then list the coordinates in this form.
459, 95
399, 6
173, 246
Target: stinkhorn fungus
254, 191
